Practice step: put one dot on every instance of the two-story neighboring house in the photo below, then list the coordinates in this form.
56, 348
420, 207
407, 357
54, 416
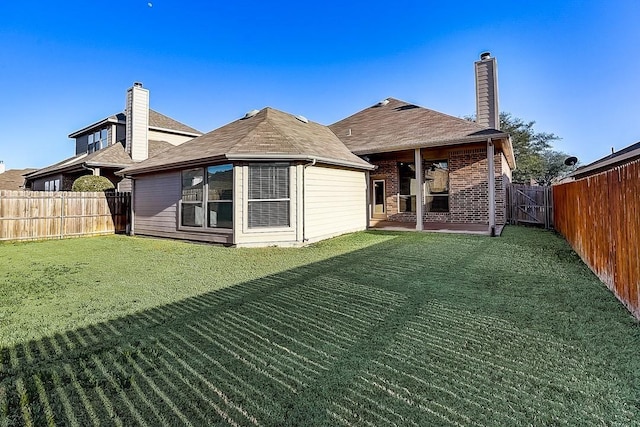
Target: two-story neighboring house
113, 143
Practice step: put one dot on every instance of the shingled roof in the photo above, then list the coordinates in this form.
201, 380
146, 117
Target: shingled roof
113, 156
13, 179
626, 155
397, 125
268, 135
156, 121
160, 121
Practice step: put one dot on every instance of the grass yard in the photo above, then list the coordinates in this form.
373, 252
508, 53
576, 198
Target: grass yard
373, 328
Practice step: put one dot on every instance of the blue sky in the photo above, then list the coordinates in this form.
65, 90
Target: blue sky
572, 66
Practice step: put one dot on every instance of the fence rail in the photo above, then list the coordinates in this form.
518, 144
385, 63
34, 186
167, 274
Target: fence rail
530, 205
600, 217
32, 215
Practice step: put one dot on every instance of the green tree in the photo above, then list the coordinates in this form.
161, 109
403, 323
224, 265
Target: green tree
535, 158
92, 183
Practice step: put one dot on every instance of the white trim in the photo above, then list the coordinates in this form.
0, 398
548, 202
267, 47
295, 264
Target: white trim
419, 189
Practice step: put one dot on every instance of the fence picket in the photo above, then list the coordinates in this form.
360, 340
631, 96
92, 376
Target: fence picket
599, 217
32, 215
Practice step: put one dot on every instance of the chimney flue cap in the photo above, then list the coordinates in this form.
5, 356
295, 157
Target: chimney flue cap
137, 84
485, 55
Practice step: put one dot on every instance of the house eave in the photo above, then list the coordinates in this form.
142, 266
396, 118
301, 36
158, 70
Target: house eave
434, 144
94, 125
174, 131
134, 170
298, 157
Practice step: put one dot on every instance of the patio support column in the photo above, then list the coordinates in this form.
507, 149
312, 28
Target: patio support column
419, 190
491, 187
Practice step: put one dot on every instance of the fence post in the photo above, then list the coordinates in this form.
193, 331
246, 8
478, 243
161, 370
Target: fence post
62, 215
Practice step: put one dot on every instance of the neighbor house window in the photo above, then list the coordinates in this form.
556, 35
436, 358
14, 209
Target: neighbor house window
269, 200
52, 185
437, 186
207, 197
98, 140
407, 187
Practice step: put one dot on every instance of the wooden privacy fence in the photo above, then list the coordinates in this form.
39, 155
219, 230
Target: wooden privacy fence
530, 205
600, 217
29, 215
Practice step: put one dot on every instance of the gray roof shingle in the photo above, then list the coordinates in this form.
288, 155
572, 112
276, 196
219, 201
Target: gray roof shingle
13, 179
270, 134
113, 156
399, 125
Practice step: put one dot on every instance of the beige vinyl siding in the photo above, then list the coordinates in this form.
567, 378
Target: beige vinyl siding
243, 235
171, 138
335, 202
155, 200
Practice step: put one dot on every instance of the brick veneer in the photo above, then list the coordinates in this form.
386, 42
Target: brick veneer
468, 196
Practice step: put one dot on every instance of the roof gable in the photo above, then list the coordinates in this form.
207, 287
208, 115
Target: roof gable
397, 125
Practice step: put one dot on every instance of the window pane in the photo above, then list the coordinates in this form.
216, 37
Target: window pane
268, 214
407, 175
192, 185
91, 139
269, 181
192, 215
220, 214
220, 179
103, 134
437, 178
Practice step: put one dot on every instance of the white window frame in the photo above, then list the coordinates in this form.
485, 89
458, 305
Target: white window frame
204, 203
273, 229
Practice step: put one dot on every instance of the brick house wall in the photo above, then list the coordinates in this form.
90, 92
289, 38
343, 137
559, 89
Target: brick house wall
468, 188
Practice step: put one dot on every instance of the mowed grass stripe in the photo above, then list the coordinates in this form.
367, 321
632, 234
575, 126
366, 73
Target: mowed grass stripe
480, 366
268, 351
288, 322
223, 377
456, 315
249, 323
477, 388
253, 366
316, 320
498, 345
469, 396
271, 361
545, 374
413, 399
221, 395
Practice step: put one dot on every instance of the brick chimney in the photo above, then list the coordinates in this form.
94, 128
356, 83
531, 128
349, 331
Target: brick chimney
137, 117
487, 112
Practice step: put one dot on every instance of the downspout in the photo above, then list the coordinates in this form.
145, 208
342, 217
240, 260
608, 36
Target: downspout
304, 199
492, 187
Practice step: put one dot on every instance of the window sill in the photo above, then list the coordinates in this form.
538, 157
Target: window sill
206, 230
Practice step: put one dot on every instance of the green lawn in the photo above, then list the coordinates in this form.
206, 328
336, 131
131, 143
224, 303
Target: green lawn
374, 328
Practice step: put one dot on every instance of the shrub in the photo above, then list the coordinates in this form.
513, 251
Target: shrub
92, 183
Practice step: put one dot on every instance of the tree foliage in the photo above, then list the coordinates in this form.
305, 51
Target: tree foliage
92, 183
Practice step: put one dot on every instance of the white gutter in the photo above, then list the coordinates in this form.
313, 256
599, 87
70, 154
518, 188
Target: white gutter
302, 157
